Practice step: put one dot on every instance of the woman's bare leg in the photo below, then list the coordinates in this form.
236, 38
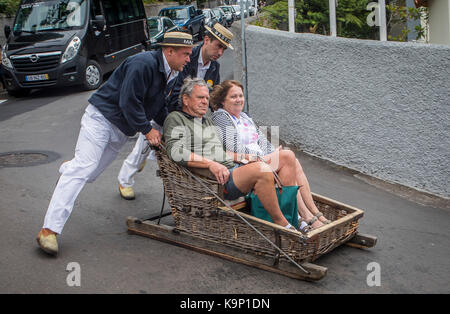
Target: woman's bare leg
305, 192
304, 212
282, 159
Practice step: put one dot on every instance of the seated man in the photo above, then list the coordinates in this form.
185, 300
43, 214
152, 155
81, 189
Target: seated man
192, 140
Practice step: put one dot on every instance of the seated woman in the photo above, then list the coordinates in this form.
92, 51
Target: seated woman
242, 138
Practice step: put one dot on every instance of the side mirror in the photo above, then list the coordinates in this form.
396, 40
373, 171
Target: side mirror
7, 30
199, 12
99, 22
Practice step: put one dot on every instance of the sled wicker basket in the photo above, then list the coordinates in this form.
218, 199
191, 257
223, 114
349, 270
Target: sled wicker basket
199, 213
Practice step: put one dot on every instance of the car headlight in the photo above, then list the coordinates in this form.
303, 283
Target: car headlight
5, 60
71, 50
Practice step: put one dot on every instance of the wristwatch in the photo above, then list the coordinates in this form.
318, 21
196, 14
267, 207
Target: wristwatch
243, 161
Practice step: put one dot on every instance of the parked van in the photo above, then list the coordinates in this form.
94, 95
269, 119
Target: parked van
70, 42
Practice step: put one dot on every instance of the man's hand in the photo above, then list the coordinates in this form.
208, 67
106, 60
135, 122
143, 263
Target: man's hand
154, 137
220, 171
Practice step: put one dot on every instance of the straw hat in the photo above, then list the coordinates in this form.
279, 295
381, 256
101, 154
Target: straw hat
178, 39
221, 33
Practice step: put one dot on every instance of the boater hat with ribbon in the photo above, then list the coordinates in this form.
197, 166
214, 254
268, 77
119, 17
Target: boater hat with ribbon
221, 33
177, 39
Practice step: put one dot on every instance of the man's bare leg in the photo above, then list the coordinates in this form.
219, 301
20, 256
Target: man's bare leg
258, 177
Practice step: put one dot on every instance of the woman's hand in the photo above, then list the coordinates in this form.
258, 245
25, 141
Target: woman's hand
268, 158
221, 172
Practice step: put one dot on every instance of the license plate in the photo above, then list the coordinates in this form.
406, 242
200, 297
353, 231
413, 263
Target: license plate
36, 77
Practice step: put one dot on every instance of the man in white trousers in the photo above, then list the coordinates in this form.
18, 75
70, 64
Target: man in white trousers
203, 65
124, 105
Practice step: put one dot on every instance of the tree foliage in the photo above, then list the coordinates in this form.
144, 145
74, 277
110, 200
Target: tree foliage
9, 7
351, 17
401, 14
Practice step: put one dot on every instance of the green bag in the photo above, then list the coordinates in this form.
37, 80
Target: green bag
287, 199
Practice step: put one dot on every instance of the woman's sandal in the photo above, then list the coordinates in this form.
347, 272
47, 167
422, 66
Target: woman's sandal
290, 227
309, 223
318, 215
307, 227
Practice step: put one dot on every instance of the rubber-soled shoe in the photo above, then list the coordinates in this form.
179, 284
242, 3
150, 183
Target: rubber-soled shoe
142, 166
47, 242
126, 193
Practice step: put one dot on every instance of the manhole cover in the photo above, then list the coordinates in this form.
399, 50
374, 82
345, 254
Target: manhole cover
26, 158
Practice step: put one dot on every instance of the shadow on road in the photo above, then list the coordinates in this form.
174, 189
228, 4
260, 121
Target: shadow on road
37, 98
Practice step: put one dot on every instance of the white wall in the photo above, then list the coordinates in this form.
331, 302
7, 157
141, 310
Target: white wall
381, 108
439, 21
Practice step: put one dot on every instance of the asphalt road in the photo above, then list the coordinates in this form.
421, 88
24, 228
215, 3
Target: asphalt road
413, 247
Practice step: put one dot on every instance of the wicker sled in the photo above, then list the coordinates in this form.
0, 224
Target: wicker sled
204, 224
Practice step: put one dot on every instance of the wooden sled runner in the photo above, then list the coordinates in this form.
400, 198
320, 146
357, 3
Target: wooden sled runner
205, 225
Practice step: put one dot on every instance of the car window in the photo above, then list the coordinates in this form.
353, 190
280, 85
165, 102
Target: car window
175, 14
95, 8
155, 26
168, 24
123, 11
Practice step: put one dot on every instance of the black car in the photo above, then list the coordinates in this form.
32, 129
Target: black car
158, 26
70, 42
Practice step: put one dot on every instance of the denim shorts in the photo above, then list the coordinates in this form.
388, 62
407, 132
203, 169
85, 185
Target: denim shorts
231, 192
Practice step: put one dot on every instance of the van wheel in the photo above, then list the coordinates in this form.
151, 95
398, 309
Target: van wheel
93, 76
19, 93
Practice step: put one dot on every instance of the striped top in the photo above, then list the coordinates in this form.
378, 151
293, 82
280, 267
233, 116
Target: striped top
241, 135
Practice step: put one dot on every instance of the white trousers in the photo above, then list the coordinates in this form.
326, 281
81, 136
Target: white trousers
135, 159
98, 144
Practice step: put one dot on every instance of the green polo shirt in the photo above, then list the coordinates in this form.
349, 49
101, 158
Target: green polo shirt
184, 134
